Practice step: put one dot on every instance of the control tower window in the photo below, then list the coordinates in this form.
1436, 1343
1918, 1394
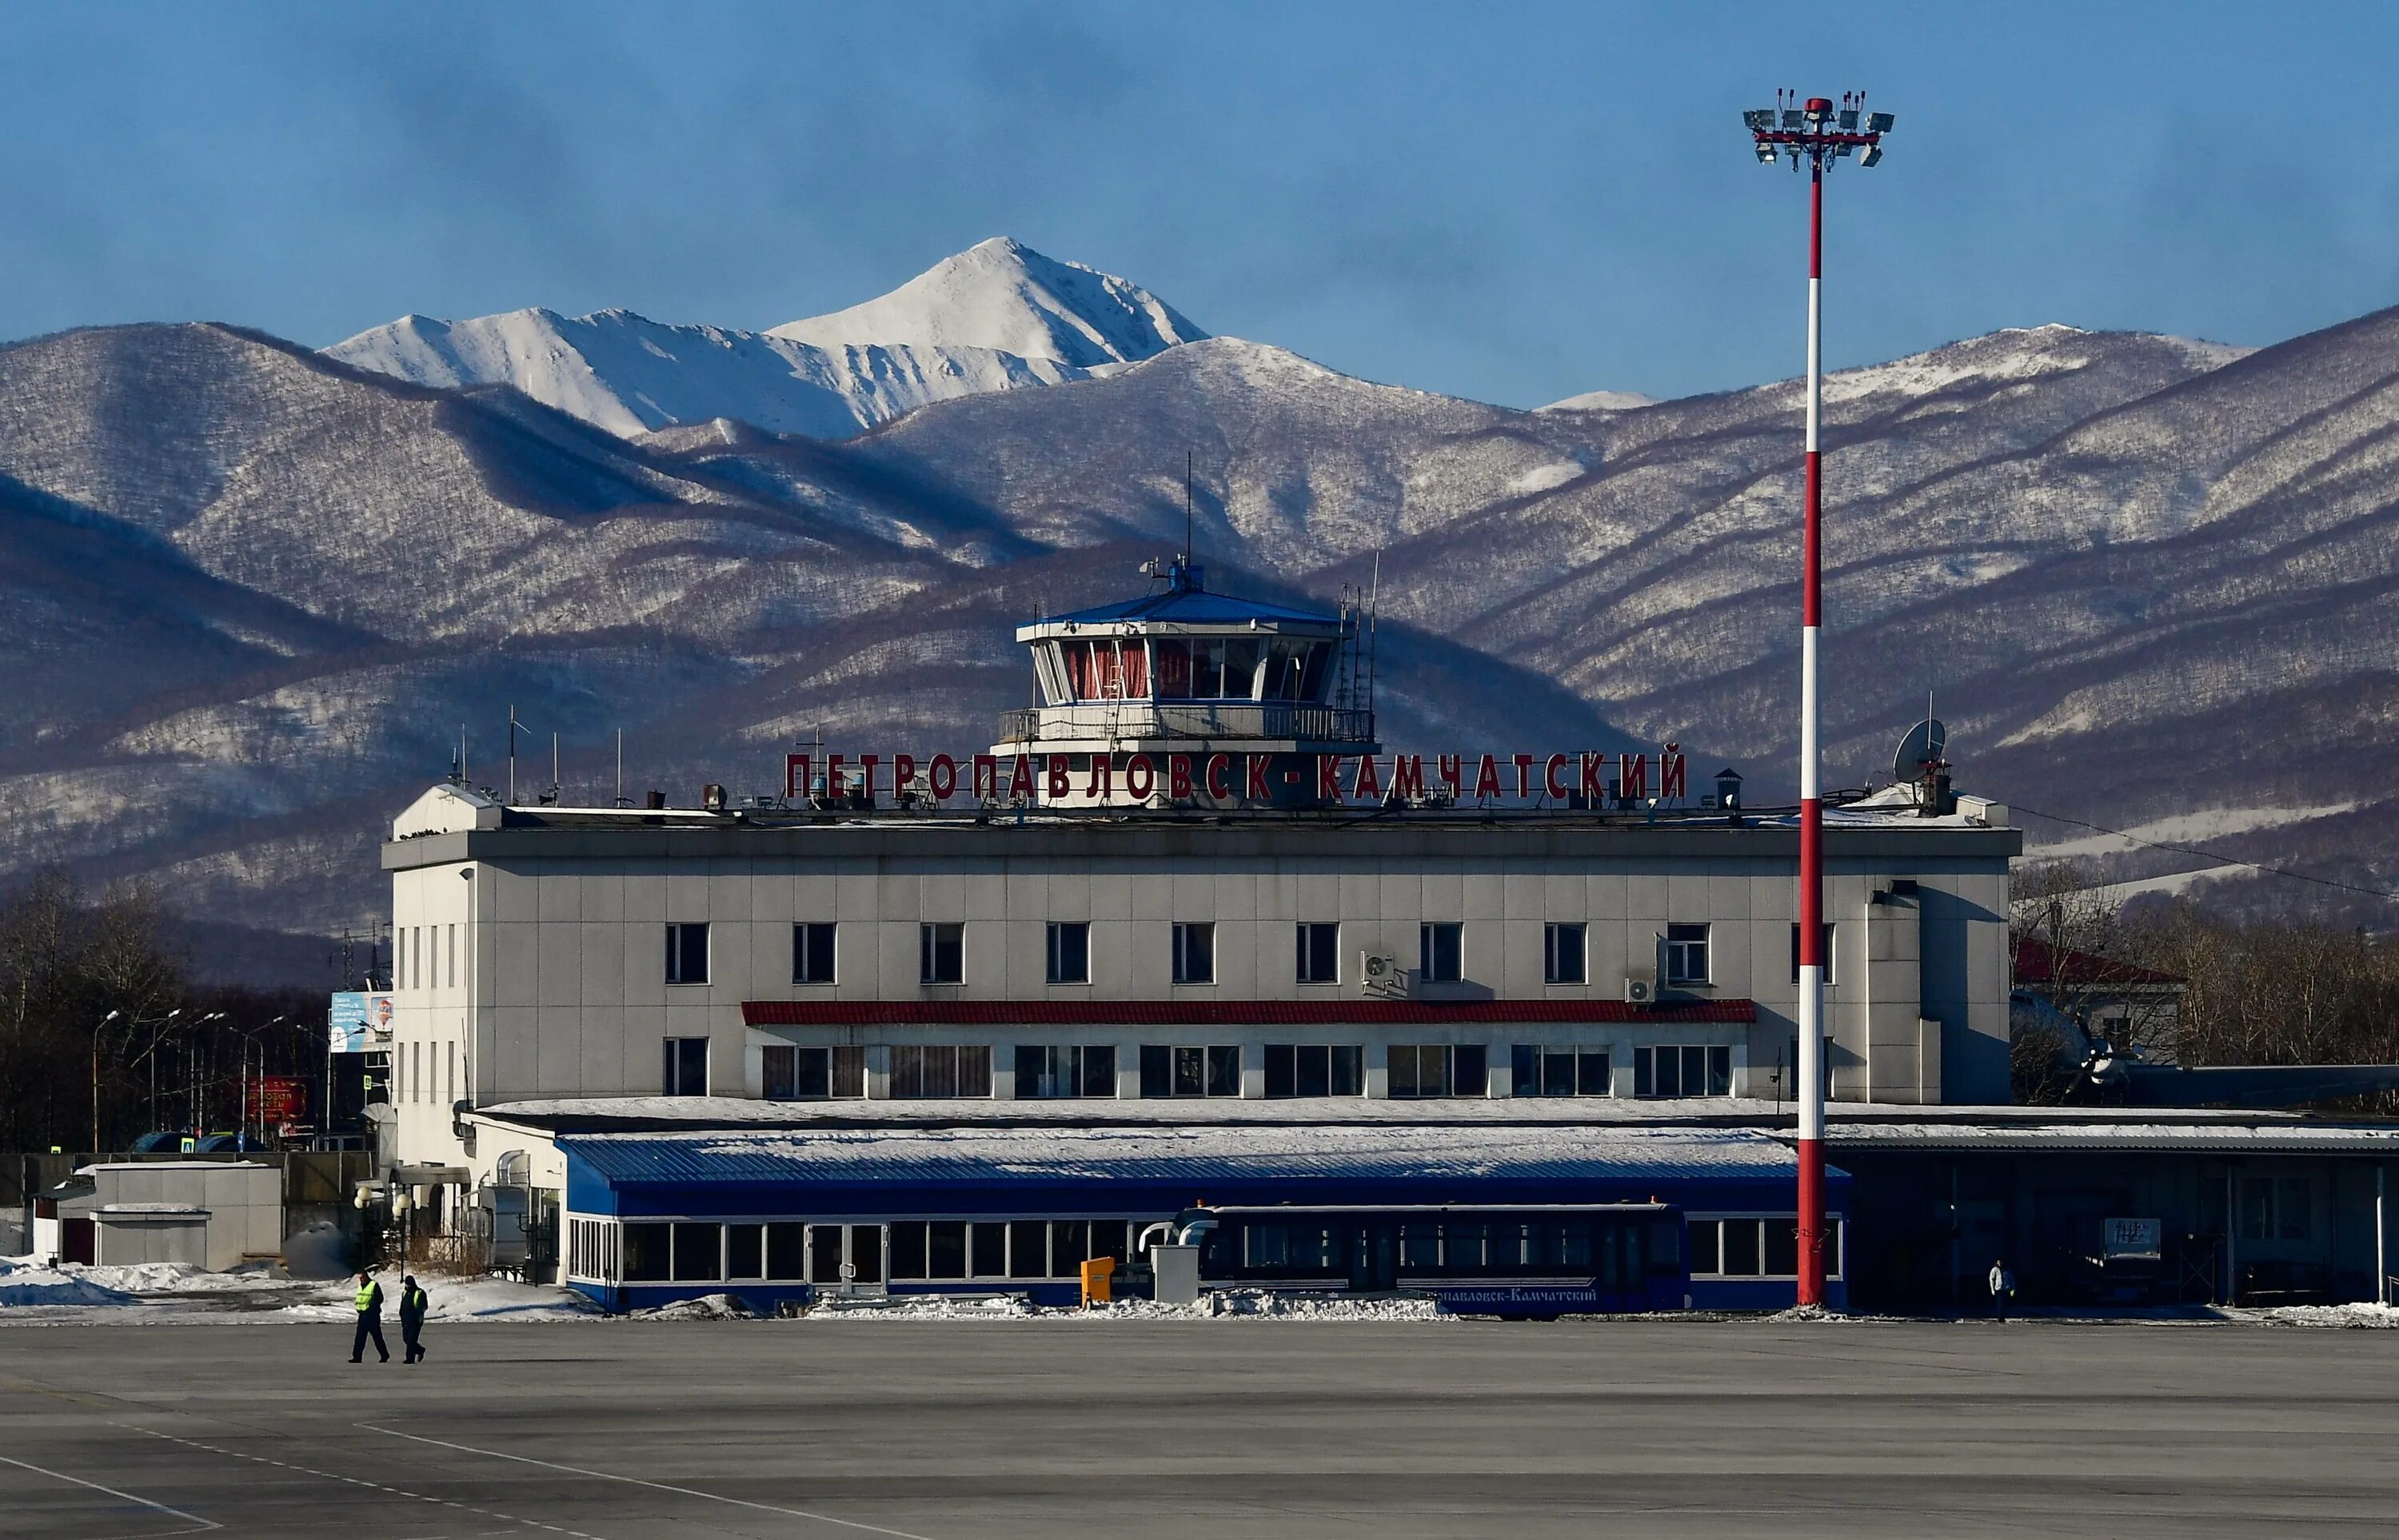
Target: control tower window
1174, 670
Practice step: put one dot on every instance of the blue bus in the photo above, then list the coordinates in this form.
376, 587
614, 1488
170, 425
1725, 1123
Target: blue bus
1516, 1259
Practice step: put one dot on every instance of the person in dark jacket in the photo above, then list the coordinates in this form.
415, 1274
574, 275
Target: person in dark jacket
411, 1319
370, 1304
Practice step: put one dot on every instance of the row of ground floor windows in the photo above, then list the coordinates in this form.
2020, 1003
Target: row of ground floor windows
1034, 1250
792, 1072
1684, 953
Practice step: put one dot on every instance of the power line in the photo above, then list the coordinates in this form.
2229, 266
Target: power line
2210, 854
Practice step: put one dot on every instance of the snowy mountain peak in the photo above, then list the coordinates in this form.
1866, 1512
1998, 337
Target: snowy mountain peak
1003, 296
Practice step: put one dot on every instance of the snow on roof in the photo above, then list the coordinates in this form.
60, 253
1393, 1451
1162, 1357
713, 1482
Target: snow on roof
983, 1156
173, 1165
2184, 1134
691, 1112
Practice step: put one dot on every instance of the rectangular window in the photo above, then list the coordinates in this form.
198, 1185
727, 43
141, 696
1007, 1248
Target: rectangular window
1195, 953
942, 954
1070, 952
1562, 954
1441, 951
454, 955
1178, 1069
786, 1251
1687, 954
698, 1254
812, 953
989, 1251
1706, 1236
907, 1252
1320, 952
687, 953
648, 1254
1546, 1070
450, 1073
945, 1249
1046, 1072
940, 1069
1315, 1069
686, 1066
813, 1075
1437, 1069
1828, 952
745, 1252
1690, 1069
1029, 1248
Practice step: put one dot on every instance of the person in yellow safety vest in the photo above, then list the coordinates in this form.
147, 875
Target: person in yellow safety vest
369, 1302
411, 1319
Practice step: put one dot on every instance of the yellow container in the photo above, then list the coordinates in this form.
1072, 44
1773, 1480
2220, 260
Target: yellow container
1096, 1274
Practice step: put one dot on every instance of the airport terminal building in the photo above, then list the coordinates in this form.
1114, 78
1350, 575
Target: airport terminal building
1186, 933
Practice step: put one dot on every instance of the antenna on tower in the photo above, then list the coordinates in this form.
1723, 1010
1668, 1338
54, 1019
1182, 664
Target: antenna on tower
1187, 507
620, 767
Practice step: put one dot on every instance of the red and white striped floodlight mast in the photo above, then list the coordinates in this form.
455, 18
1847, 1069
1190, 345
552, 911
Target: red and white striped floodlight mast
1818, 135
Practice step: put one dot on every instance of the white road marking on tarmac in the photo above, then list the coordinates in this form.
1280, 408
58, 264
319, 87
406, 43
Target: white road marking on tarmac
204, 1524
329, 1476
659, 1486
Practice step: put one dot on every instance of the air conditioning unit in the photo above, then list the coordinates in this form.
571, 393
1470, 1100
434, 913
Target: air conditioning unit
1379, 973
1640, 989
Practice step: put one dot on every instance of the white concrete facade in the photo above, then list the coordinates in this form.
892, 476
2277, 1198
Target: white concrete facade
531, 960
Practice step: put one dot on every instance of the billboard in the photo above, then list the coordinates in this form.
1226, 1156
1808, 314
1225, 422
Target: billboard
358, 1021
279, 1101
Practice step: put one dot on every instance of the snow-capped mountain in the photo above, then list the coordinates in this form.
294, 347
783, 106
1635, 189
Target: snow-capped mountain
248, 592
993, 318
1004, 297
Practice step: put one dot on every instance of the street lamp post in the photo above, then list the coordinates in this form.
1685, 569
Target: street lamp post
1818, 135
95, 1032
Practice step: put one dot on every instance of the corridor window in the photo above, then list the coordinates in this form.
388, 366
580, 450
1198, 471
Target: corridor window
1050, 1072
1441, 951
1315, 1069
1195, 953
1689, 1069
812, 953
1756, 1247
1542, 1070
2276, 1208
938, 1070
1437, 1069
687, 953
1320, 952
1562, 954
812, 1073
942, 953
1178, 1069
1070, 952
1687, 954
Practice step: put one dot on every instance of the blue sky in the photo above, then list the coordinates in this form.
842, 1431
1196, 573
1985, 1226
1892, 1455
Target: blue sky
1511, 202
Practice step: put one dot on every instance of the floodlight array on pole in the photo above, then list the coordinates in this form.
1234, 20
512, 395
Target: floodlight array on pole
1818, 135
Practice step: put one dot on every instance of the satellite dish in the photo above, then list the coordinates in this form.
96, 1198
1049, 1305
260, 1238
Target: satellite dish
1923, 744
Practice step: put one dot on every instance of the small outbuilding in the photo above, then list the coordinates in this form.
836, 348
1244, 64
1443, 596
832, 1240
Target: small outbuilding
205, 1213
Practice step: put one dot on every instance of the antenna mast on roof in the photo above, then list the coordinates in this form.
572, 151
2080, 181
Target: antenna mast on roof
1187, 507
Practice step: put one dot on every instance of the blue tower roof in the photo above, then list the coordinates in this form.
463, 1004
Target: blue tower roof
1185, 601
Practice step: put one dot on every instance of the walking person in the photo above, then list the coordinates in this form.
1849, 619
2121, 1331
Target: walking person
2003, 1289
370, 1304
412, 1320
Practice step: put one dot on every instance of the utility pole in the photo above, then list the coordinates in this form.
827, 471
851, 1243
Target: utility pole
1816, 135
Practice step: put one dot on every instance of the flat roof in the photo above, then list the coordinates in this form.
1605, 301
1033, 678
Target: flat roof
984, 1156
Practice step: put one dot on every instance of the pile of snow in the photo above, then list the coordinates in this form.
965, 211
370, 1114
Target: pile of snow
1231, 1303
1319, 1307
22, 1283
453, 1300
708, 1307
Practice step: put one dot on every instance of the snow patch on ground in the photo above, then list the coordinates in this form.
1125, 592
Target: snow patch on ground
708, 1307
453, 1299
1602, 400
1544, 478
2375, 1317
1226, 1304
66, 1285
